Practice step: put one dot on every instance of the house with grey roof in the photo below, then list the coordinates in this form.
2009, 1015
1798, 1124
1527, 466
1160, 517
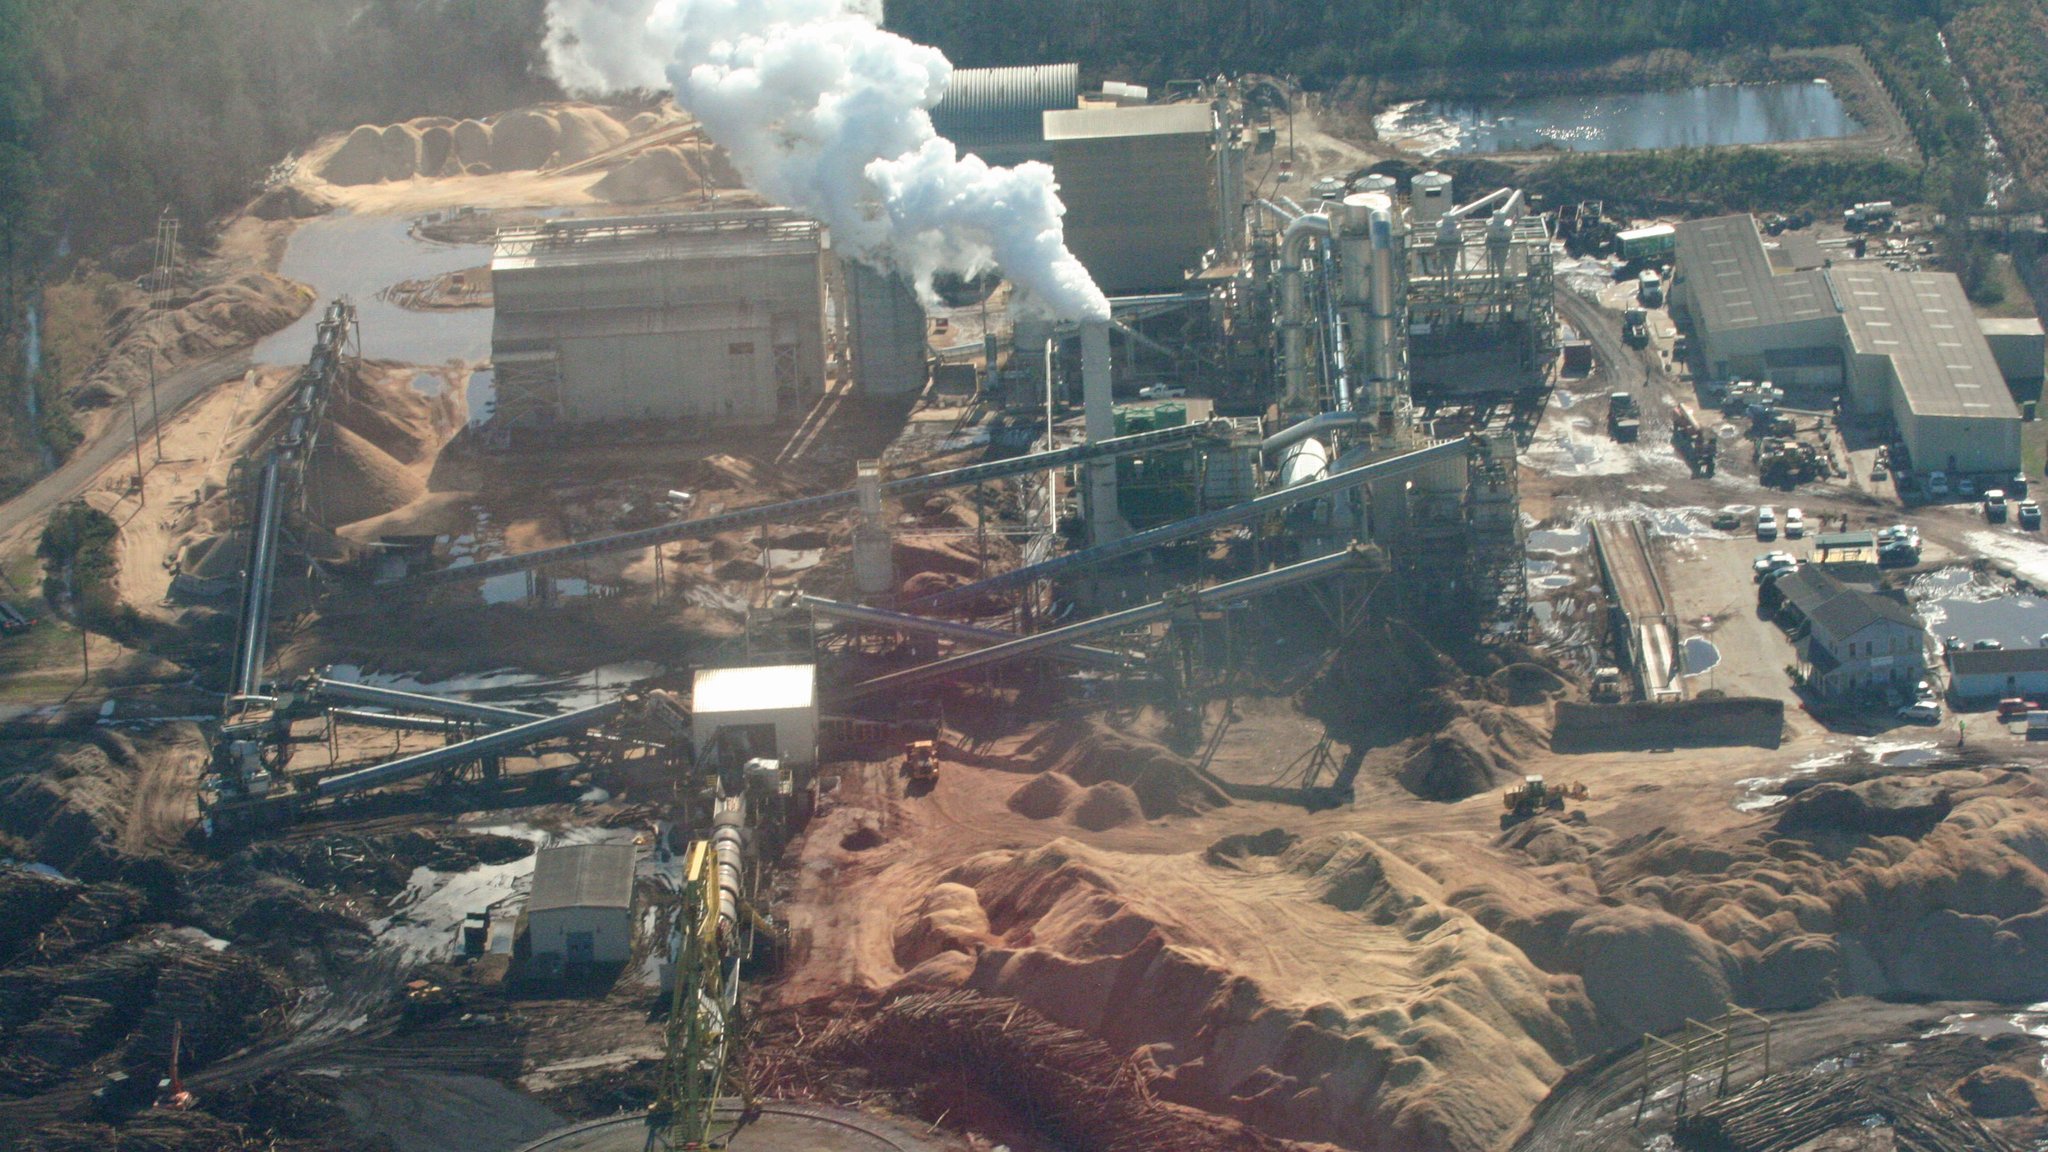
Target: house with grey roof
1855, 642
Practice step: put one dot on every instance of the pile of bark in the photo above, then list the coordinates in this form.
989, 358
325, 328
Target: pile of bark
1783, 1112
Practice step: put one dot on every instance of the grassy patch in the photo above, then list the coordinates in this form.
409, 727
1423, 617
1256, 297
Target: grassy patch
2014, 302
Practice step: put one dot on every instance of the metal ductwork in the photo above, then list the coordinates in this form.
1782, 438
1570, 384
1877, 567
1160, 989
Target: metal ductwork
1294, 301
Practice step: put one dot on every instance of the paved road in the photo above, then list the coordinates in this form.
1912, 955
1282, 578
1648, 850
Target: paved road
173, 393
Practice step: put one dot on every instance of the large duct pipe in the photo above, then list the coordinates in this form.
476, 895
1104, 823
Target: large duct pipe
1313, 426
1098, 408
1294, 301
728, 850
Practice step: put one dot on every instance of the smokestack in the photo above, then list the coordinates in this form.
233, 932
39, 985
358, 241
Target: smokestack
824, 112
1105, 522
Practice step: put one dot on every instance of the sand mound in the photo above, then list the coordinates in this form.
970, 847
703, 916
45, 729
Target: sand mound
1164, 784
1046, 795
350, 479
1232, 851
1461, 761
215, 318
472, 142
359, 160
1108, 805
398, 148
1352, 1032
524, 139
437, 148
656, 175
1882, 807
1525, 684
584, 132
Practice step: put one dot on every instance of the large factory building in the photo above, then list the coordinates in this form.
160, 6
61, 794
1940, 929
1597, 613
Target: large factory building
1140, 188
715, 316
1900, 343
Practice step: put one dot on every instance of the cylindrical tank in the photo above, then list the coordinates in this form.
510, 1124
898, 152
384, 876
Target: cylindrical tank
1304, 461
1429, 196
1377, 182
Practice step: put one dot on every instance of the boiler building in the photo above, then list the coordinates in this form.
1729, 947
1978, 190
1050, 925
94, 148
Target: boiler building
1140, 187
714, 317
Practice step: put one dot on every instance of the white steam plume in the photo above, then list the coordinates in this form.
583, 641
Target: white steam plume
825, 112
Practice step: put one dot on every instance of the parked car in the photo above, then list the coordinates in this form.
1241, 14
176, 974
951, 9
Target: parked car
1966, 487
1922, 712
2030, 515
1795, 523
1988, 646
2013, 706
1161, 392
1994, 506
1769, 560
1767, 523
1937, 484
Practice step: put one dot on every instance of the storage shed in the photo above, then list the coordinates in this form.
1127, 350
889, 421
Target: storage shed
1993, 675
581, 910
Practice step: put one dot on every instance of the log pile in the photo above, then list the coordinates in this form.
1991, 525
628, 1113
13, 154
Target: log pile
1782, 1112
1065, 1083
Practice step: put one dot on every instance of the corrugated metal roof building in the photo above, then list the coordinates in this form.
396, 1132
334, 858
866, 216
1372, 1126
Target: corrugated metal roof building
716, 317
1901, 343
998, 113
1140, 189
581, 909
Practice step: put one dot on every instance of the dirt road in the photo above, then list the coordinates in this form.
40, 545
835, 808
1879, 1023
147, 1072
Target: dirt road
173, 393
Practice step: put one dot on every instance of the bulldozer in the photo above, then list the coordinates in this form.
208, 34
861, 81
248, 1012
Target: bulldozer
921, 763
1535, 796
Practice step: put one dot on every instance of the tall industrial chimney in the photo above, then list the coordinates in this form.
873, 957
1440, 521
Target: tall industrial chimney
1105, 521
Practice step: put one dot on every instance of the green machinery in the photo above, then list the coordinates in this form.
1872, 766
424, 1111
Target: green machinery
703, 1015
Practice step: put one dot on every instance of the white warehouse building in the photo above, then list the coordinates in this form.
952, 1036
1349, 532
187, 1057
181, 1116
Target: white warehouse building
580, 912
1899, 343
768, 712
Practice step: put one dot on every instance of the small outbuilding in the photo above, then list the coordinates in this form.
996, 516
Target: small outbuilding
580, 913
1992, 675
765, 712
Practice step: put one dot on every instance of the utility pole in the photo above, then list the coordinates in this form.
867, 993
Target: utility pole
159, 304
135, 425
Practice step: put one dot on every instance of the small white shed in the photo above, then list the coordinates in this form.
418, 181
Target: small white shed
581, 910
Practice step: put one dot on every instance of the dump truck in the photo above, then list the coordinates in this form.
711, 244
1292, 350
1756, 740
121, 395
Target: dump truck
1695, 443
1635, 327
1606, 685
921, 763
1624, 421
1535, 796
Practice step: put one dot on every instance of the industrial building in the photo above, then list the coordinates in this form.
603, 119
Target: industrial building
714, 317
767, 712
998, 114
1901, 344
580, 912
1141, 190
1976, 675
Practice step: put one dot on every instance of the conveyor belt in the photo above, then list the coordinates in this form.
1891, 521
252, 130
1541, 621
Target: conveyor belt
416, 702
466, 752
809, 506
1356, 556
1265, 505
953, 630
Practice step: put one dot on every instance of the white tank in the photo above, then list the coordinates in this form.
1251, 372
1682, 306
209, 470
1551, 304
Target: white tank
1429, 197
1378, 182
1303, 461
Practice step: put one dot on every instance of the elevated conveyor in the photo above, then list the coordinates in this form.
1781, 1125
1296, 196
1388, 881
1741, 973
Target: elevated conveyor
466, 752
1250, 510
331, 689
1354, 558
809, 506
953, 630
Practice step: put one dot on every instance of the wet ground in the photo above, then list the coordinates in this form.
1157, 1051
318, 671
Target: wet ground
359, 257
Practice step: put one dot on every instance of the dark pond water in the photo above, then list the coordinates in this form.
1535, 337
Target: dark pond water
1714, 114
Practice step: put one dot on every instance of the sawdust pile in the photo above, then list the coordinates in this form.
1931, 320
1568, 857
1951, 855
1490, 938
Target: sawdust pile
66, 802
1105, 779
1352, 1032
214, 318
545, 136
1450, 734
351, 479
667, 172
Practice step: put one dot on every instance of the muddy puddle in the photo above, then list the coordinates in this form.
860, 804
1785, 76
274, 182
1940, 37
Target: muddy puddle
359, 257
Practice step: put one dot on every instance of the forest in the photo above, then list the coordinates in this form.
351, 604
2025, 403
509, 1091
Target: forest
1324, 42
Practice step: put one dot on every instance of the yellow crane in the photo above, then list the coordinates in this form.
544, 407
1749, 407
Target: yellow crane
703, 1011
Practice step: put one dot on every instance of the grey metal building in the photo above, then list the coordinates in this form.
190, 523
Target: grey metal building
715, 317
1140, 186
1901, 344
581, 909
998, 113
886, 332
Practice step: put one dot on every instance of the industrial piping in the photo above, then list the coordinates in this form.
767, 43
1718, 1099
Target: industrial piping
814, 505
1293, 300
468, 751
1208, 521
1310, 427
1355, 556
